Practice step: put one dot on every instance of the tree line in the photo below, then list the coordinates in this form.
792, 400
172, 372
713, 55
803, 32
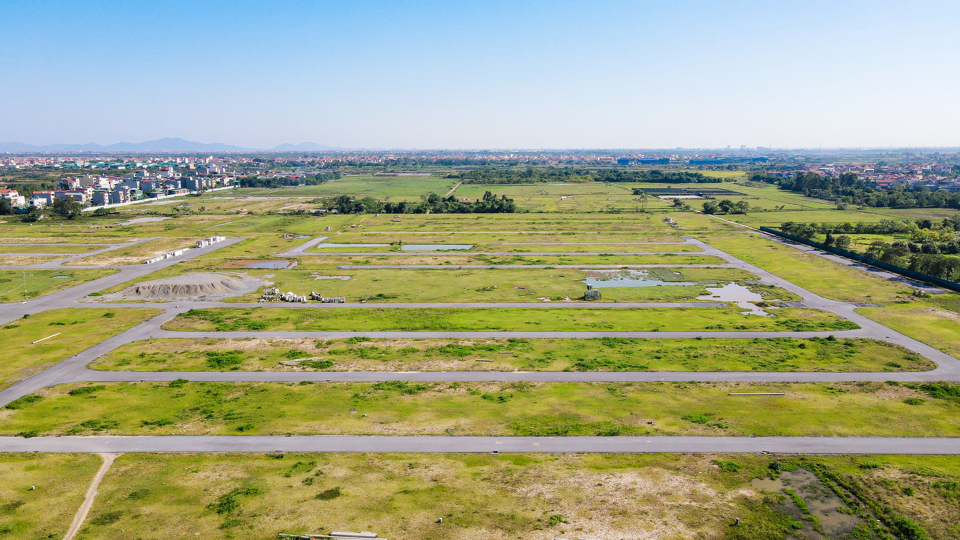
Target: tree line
849, 189
283, 181
931, 249
429, 204
494, 175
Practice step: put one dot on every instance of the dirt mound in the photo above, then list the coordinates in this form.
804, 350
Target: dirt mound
191, 286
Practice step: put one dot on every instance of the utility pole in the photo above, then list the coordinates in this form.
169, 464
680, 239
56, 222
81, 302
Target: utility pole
25, 287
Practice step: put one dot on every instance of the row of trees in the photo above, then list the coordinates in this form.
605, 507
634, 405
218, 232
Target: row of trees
494, 175
849, 189
429, 204
726, 206
282, 181
937, 259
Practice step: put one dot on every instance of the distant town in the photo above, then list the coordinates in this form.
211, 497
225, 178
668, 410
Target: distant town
111, 179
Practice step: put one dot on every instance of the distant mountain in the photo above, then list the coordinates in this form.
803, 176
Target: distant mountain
160, 145
304, 147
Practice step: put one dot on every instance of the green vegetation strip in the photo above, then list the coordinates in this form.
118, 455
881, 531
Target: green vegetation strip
505, 496
67, 332
603, 354
527, 409
517, 319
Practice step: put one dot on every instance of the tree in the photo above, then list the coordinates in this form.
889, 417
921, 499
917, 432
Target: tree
68, 208
741, 207
5, 207
842, 242
710, 207
643, 200
829, 240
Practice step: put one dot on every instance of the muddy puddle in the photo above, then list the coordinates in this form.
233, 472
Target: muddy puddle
737, 294
822, 503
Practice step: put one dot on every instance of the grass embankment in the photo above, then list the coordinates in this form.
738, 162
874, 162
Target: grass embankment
604, 354
816, 274
41, 248
513, 319
39, 494
536, 409
78, 329
935, 322
43, 282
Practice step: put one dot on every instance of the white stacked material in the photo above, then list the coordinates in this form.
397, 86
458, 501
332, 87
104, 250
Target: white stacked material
169, 255
210, 241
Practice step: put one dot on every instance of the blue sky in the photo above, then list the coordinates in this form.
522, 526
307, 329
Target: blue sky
492, 74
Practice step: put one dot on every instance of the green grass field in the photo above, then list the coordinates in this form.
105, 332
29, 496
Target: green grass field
818, 275
517, 319
72, 331
606, 354
39, 494
522, 409
43, 282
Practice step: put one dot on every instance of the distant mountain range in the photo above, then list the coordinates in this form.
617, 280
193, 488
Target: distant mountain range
161, 145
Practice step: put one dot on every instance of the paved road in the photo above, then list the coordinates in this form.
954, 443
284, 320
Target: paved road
301, 249
254, 443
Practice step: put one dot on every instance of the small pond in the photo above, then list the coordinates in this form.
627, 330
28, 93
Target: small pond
631, 278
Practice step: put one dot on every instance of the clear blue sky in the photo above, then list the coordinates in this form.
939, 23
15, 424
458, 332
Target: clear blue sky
492, 74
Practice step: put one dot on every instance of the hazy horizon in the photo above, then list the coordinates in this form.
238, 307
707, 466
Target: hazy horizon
483, 75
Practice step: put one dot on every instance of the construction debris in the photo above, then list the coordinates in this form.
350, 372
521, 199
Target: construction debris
328, 299
168, 255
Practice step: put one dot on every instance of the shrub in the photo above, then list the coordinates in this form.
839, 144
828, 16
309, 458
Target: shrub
107, 518
329, 494
84, 390
727, 466
697, 418
20, 403
914, 401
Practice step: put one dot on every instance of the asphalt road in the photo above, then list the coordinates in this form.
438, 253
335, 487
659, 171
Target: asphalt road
433, 444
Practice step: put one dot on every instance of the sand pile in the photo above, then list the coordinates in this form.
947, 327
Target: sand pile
198, 286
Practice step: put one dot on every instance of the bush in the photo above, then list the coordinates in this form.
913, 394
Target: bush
329, 494
20, 403
914, 401
84, 390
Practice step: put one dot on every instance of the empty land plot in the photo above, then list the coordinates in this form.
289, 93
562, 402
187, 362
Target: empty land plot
517, 258
27, 260
43, 282
816, 274
68, 331
599, 354
583, 495
513, 319
489, 285
135, 254
647, 225
532, 496
39, 494
40, 248
492, 409
452, 246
